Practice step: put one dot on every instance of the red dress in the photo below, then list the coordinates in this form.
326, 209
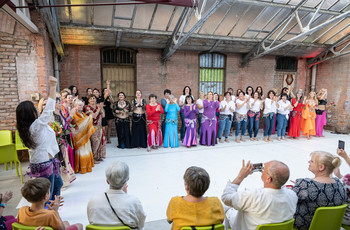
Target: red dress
295, 119
154, 137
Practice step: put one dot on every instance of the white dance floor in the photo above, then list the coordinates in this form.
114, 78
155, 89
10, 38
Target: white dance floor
157, 176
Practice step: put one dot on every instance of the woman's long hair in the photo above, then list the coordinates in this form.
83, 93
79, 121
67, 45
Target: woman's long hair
26, 114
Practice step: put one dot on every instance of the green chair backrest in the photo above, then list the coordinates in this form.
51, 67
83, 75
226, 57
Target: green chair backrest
96, 227
19, 143
17, 226
5, 137
286, 225
326, 218
216, 227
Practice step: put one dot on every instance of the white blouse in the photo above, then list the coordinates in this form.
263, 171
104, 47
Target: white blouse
229, 105
281, 109
43, 135
270, 108
200, 102
243, 110
256, 107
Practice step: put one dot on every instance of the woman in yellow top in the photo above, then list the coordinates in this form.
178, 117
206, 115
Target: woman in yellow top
195, 209
309, 115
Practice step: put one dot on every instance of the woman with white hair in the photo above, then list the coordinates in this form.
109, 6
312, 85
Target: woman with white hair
322, 190
116, 207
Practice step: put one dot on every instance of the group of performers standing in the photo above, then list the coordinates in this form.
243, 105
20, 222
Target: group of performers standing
212, 118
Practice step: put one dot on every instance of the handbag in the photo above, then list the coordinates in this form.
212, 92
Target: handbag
117, 214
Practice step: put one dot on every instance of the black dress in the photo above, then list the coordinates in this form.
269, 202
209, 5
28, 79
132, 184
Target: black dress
123, 127
139, 135
108, 111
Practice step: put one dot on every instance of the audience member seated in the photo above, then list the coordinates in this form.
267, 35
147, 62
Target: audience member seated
320, 191
346, 182
6, 221
271, 204
116, 207
194, 209
37, 192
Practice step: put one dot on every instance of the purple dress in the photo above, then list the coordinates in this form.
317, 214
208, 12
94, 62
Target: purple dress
190, 138
208, 130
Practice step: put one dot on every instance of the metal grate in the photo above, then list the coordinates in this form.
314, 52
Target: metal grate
286, 64
119, 66
212, 73
118, 56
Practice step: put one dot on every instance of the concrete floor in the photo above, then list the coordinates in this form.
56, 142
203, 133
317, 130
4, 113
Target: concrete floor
157, 176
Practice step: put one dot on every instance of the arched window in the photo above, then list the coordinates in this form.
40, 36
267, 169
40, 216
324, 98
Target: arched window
212, 72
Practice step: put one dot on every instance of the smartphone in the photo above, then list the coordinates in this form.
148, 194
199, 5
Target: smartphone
341, 145
258, 167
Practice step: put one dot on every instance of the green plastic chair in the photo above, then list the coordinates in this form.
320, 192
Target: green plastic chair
19, 143
96, 227
17, 226
6, 139
326, 218
8, 151
216, 227
286, 225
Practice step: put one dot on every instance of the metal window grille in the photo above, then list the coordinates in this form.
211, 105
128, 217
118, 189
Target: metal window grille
286, 64
212, 73
118, 56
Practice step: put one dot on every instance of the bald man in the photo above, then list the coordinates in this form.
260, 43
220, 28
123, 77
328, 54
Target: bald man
271, 204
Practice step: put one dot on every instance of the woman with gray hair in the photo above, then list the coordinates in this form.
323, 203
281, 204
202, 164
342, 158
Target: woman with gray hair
116, 207
322, 190
194, 209
295, 115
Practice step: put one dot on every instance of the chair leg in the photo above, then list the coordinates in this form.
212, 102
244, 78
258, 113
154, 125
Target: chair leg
6, 168
11, 164
20, 171
16, 168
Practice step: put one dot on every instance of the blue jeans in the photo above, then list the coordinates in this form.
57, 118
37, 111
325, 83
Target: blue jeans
269, 121
242, 123
183, 127
199, 122
56, 185
225, 124
253, 123
281, 125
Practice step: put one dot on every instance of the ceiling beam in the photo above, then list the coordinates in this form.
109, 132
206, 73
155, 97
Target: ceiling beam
337, 49
170, 50
291, 7
88, 28
52, 25
257, 48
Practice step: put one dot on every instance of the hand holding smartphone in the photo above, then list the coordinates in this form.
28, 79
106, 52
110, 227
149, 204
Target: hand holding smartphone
341, 144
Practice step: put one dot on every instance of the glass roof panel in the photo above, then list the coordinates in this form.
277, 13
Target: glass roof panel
162, 17
329, 37
175, 18
248, 18
143, 16
340, 5
312, 3
103, 15
264, 18
277, 19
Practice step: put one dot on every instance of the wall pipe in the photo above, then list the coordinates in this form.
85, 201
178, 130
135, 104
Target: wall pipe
313, 77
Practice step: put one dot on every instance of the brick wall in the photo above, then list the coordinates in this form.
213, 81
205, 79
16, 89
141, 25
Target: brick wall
25, 62
334, 75
81, 67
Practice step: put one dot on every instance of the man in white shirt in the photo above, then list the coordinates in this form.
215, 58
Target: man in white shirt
271, 204
115, 206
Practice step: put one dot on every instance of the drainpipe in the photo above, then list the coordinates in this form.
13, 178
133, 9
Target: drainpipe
313, 77
55, 66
